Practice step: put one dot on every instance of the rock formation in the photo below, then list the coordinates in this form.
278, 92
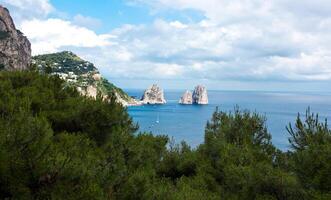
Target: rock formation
186, 98
153, 95
200, 95
91, 91
15, 48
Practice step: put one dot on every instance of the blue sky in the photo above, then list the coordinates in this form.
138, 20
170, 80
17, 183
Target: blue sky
111, 14
226, 45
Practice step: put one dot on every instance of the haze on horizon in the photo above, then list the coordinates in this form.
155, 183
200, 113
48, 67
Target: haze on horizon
228, 45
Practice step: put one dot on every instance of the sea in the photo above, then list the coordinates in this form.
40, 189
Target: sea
187, 122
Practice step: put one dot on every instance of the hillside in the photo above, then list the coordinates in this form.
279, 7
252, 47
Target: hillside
81, 74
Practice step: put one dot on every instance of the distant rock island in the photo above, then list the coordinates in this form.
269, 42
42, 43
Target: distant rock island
15, 48
199, 96
187, 98
153, 95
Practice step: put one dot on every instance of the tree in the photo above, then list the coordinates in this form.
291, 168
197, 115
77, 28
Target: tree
54, 141
239, 149
311, 145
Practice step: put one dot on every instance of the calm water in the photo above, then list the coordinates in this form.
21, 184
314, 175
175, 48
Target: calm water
187, 122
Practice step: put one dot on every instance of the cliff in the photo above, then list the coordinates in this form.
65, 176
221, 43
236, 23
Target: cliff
153, 95
81, 74
15, 48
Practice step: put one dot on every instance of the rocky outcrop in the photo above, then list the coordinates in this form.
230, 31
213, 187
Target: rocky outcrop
91, 91
15, 48
186, 98
153, 95
127, 101
200, 95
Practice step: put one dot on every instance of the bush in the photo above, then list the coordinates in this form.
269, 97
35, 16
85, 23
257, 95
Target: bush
54, 141
311, 144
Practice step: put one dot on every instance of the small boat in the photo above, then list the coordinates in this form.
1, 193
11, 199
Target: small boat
158, 119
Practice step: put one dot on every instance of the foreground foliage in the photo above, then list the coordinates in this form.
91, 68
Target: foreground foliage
56, 144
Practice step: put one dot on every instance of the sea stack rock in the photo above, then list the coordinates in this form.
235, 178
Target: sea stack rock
153, 95
15, 48
186, 98
200, 95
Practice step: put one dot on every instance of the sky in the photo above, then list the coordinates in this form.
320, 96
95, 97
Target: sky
274, 45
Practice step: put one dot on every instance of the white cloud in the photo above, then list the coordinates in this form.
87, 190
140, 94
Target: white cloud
178, 24
240, 39
23, 9
86, 21
53, 34
315, 66
209, 51
245, 10
47, 34
168, 70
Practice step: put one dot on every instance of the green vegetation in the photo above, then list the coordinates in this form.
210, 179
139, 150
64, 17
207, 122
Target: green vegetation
57, 144
108, 88
64, 62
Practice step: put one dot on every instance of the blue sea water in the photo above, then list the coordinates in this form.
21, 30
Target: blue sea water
187, 122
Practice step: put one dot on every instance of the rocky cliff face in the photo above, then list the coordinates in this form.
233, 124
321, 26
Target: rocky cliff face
186, 98
200, 95
81, 74
15, 48
153, 95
